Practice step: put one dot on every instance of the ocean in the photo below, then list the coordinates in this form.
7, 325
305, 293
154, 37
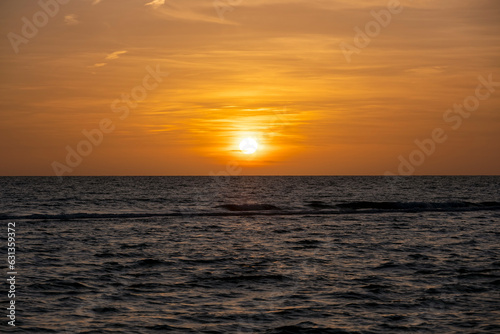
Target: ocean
254, 254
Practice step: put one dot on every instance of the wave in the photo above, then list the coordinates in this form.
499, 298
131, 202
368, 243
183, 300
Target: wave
319, 205
248, 207
317, 208
416, 205
307, 327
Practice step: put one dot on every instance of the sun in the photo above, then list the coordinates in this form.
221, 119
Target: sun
248, 145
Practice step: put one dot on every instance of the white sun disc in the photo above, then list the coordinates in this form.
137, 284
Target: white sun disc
248, 145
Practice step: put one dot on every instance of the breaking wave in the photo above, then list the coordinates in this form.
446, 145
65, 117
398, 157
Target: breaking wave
315, 208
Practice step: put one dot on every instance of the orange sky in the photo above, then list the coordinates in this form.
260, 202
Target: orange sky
272, 70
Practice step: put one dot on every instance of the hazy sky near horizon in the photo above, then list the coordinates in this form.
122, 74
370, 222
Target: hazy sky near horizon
272, 70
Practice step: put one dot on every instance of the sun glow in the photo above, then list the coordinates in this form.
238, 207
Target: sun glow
249, 146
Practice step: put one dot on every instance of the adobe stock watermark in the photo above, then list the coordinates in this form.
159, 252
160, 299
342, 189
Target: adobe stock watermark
121, 106
372, 29
223, 6
454, 118
298, 275
11, 273
221, 180
278, 123
30, 28
90, 310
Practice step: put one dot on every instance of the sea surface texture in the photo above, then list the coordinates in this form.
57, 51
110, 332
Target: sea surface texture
254, 254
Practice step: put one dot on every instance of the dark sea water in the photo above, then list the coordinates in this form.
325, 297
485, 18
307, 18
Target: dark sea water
254, 254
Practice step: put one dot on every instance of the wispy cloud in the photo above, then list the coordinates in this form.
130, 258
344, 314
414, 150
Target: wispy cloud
111, 56
184, 10
71, 19
98, 65
156, 3
115, 55
96, 2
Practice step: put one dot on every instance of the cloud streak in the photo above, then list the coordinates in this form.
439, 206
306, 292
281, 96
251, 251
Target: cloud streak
115, 55
71, 20
156, 3
111, 56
